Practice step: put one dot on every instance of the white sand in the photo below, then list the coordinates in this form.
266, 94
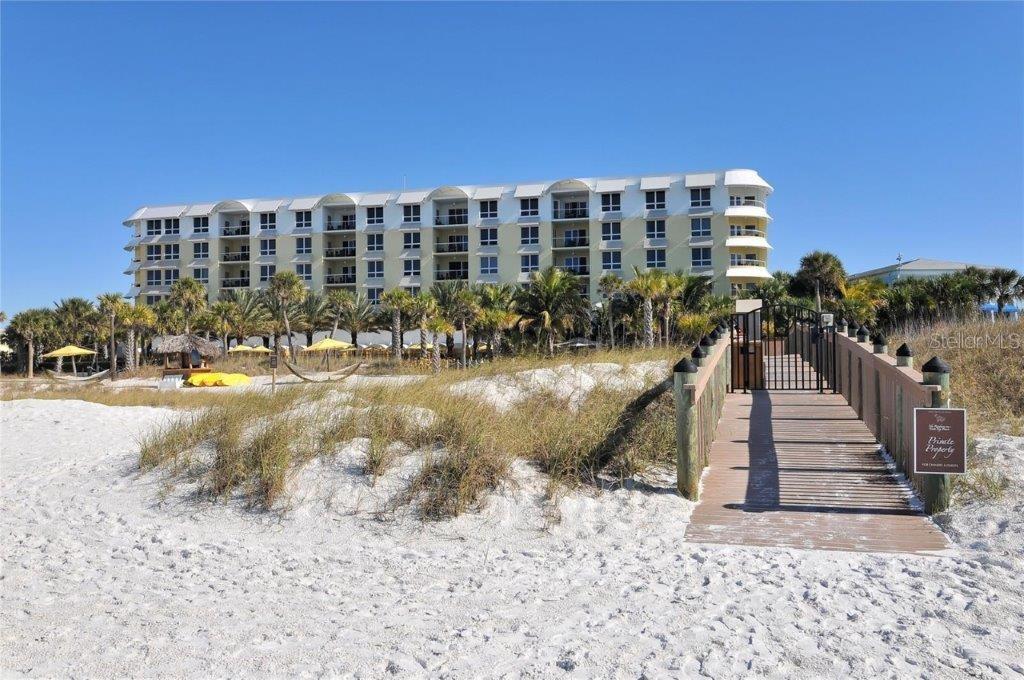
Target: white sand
102, 579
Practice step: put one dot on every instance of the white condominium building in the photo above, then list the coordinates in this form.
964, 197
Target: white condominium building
710, 223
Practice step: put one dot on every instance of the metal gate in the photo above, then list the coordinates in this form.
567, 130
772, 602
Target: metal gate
783, 347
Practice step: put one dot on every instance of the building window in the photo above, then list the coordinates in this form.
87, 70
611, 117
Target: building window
743, 200
374, 242
153, 253
611, 260
611, 202
656, 200
489, 237
375, 215
172, 251
489, 264
268, 246
152, 227
411, 239
268, 221
170, 276
201, 225
375, 269
529, 207
411, 267
200, 250
488, 209
576, 264
700, 198
154, 278
700, 227
656, 258
655, 228
172, 226
611, 231
267, 271
373, 295
412, 290
153, 299
410, 213
529, 236
700, 257
305, 271
529, 263
201, 274
304, 245
303, 219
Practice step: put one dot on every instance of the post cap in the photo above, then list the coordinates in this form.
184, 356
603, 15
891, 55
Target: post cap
904, 351
698, 352
714, 334
684, 365
935, 365
841, 323
863, 331
706, 342
852, 326
878, 338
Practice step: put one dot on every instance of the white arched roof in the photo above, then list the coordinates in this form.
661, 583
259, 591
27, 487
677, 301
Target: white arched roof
447, 192
233, 205
746, 178
569, 184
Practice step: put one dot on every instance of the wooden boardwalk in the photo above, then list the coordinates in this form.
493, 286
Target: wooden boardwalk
799, 469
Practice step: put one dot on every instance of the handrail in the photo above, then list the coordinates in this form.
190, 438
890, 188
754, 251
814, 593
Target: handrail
700, 393
747, 263
747, 232
736, 201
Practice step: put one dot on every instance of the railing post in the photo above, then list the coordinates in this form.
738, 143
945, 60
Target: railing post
684, 375
937, 487
904, 359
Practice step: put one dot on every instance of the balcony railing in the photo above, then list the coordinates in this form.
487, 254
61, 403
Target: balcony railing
450, 220
740, 200
235, 257
452, 247
570, 213
747, 263
451, 275
340, 252
238, 282
733, 231
339, 279
570, 242
579, 269
343, 225
235, 231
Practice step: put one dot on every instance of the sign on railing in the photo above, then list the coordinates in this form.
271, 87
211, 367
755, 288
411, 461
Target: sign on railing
940, 441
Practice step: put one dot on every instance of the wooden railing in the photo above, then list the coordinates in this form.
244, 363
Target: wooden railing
700, 385
884, 391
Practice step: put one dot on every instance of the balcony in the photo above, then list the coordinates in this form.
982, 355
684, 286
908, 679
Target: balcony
346, 223
741, 206
747, 238
242, 256
571, 213
570, 242
451, 275
747, 269
747, 263
334, 253
339, 279
237, 282
578, 269
457, 219
451, 247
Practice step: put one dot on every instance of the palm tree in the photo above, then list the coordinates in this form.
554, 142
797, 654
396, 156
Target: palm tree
672, 289
445, 293
358, 317
251, 314
823, 273
610, 286
73, 317
223, 313
169, 318
648, 285
396, 302
497, 312
31, 325
139, 320
772, 292
314, 314
551, 304
465, 310
289, 291
981, 285
338, 301
113, 307
189, 296
422, 309
1004, 286
437, 325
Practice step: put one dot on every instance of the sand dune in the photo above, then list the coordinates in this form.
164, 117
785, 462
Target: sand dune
103, 576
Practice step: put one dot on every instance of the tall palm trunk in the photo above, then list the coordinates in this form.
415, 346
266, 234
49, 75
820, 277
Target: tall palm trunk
113, 350
435, 354
449, 344
611, 326
551, 342
132, 347
31, 357
817, 295
495, 344
74, 366
355, 336
423, 338
462, 324
648, 323
396, 334
667, 316
288, 331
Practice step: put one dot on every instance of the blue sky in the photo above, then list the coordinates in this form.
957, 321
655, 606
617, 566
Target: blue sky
884, 128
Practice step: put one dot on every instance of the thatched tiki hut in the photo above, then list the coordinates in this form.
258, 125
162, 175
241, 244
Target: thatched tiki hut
191, 350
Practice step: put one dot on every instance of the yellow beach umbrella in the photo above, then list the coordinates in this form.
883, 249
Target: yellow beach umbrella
258, 349
329, 344
418, 346
68, 351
